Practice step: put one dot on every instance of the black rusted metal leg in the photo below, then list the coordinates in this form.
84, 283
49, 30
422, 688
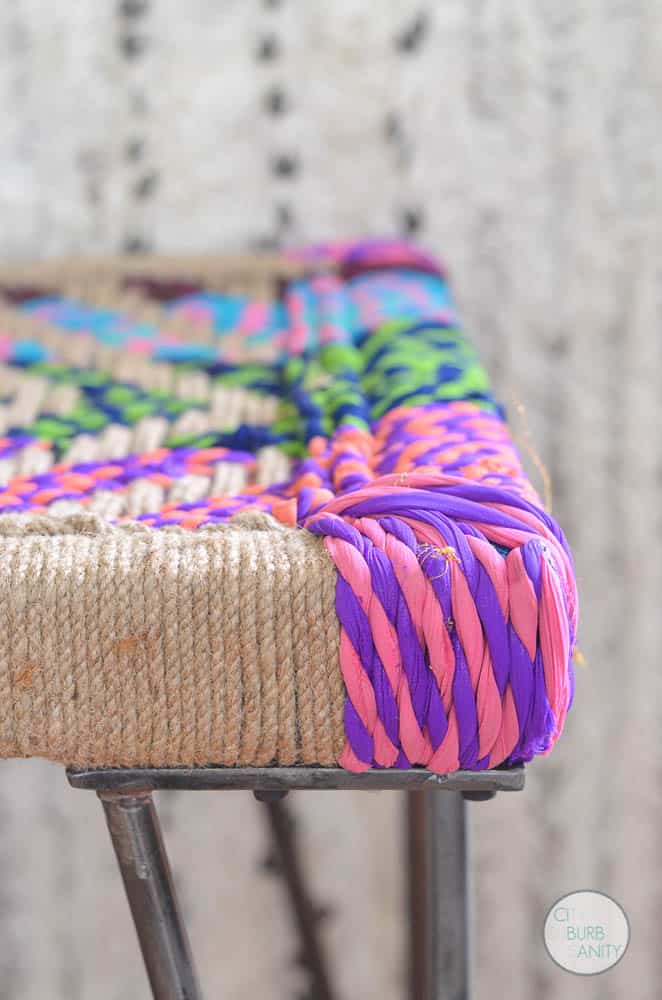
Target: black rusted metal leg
439, 897
306, 914
141, 856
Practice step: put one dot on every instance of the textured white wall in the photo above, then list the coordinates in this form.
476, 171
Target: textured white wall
520, 140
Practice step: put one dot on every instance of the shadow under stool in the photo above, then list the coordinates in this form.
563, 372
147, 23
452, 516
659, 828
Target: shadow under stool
439, 889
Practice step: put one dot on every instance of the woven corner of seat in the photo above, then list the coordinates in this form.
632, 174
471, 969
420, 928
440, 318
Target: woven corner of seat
266, 510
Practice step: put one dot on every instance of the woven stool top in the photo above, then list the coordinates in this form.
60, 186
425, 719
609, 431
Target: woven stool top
266, 510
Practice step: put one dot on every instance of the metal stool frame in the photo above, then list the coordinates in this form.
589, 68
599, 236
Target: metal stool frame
438, 859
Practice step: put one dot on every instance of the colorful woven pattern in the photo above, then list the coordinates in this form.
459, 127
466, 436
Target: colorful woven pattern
350, 405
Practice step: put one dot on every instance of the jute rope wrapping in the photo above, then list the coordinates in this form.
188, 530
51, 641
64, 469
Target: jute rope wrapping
124, 646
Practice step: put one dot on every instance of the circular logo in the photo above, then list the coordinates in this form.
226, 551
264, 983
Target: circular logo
586, 932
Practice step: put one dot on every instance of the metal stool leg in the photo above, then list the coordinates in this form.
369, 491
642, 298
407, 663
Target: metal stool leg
141, 856
438, 896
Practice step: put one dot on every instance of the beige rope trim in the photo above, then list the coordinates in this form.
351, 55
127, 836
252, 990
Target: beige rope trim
245, 272
125, 646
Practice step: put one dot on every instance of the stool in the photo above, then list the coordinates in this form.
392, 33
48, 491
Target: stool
438, 859
262, 527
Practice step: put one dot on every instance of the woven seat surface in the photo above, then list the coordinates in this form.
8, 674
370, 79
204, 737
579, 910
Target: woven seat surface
266, 510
